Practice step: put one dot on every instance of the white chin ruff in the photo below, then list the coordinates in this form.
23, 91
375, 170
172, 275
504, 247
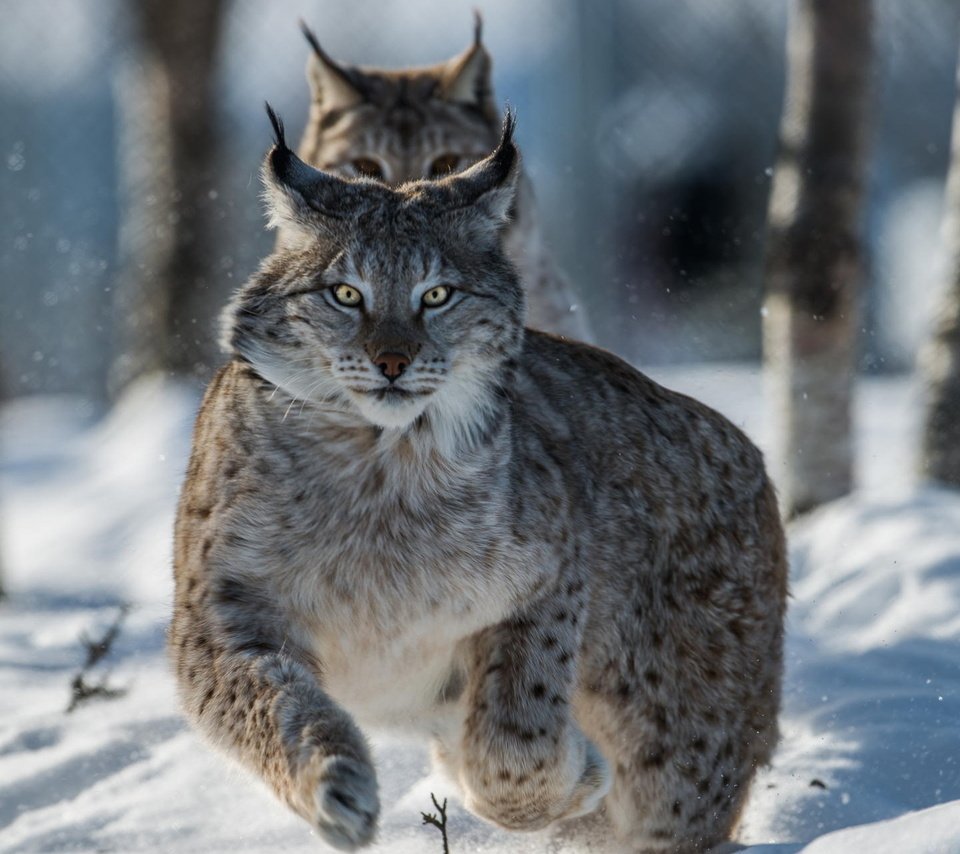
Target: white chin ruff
390, 413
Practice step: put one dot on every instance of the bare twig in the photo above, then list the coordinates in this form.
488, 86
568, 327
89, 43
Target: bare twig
82, 690
439, 823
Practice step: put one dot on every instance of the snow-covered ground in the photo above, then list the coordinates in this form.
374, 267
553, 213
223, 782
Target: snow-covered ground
870, 756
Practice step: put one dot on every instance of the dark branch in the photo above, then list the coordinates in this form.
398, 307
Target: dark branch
439, 823
97, 649
81, 690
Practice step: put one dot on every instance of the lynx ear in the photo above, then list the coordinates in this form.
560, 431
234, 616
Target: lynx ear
482, 197
466, 78
305, 199
332, 86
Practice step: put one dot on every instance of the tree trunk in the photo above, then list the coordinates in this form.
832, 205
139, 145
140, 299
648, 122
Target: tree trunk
3, 398
814, 252
166, 299
940, 364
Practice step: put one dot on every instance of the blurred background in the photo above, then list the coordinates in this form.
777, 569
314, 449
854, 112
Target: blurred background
649, 129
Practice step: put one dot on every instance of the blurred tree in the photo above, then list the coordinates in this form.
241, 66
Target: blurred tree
814, 254
166, 302
940, 364
3, 397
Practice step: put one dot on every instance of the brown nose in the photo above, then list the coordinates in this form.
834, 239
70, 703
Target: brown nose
391, 364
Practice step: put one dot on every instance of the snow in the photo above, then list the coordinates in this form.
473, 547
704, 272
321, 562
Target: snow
870, 756
873, 670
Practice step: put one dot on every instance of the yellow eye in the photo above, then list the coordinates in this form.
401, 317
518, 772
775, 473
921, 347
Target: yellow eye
345, 295
444, 165
366, 167
437, 296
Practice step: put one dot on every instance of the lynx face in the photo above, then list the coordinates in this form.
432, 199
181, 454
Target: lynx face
390, 304
399, 126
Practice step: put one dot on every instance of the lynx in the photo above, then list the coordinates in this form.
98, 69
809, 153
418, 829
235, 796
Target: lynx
400, 126
405, 510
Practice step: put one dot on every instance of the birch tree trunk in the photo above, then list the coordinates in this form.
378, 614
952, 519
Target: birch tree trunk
940, 364
164, 92
3, 398
814, 252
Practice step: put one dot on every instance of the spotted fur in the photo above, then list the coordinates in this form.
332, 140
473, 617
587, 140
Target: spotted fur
410, 121
568, 578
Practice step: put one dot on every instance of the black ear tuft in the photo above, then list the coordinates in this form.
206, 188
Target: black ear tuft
314, 43
477, 28
279, 138
311, 38
489, 186
506, 152
280, 155
509, 126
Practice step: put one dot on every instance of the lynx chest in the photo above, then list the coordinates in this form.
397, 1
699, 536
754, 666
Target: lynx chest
386, 582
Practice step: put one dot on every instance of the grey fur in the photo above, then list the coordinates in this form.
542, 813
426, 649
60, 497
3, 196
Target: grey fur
571, 580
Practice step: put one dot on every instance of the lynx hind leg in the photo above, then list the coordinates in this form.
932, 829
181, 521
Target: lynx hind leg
684, 743
666, 796
583, 835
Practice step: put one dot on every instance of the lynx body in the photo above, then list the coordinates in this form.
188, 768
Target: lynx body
404, 509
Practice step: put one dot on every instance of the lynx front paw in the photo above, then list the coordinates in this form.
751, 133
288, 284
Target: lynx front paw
347, 803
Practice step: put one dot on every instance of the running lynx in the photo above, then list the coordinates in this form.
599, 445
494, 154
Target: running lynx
405, 510
404, 125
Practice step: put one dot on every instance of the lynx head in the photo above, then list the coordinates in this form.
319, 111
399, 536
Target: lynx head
399, 126
391, 303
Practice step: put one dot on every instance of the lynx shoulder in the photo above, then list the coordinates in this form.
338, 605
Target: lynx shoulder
405, 510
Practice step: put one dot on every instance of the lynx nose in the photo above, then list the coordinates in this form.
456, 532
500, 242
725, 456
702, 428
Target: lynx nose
391, 364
